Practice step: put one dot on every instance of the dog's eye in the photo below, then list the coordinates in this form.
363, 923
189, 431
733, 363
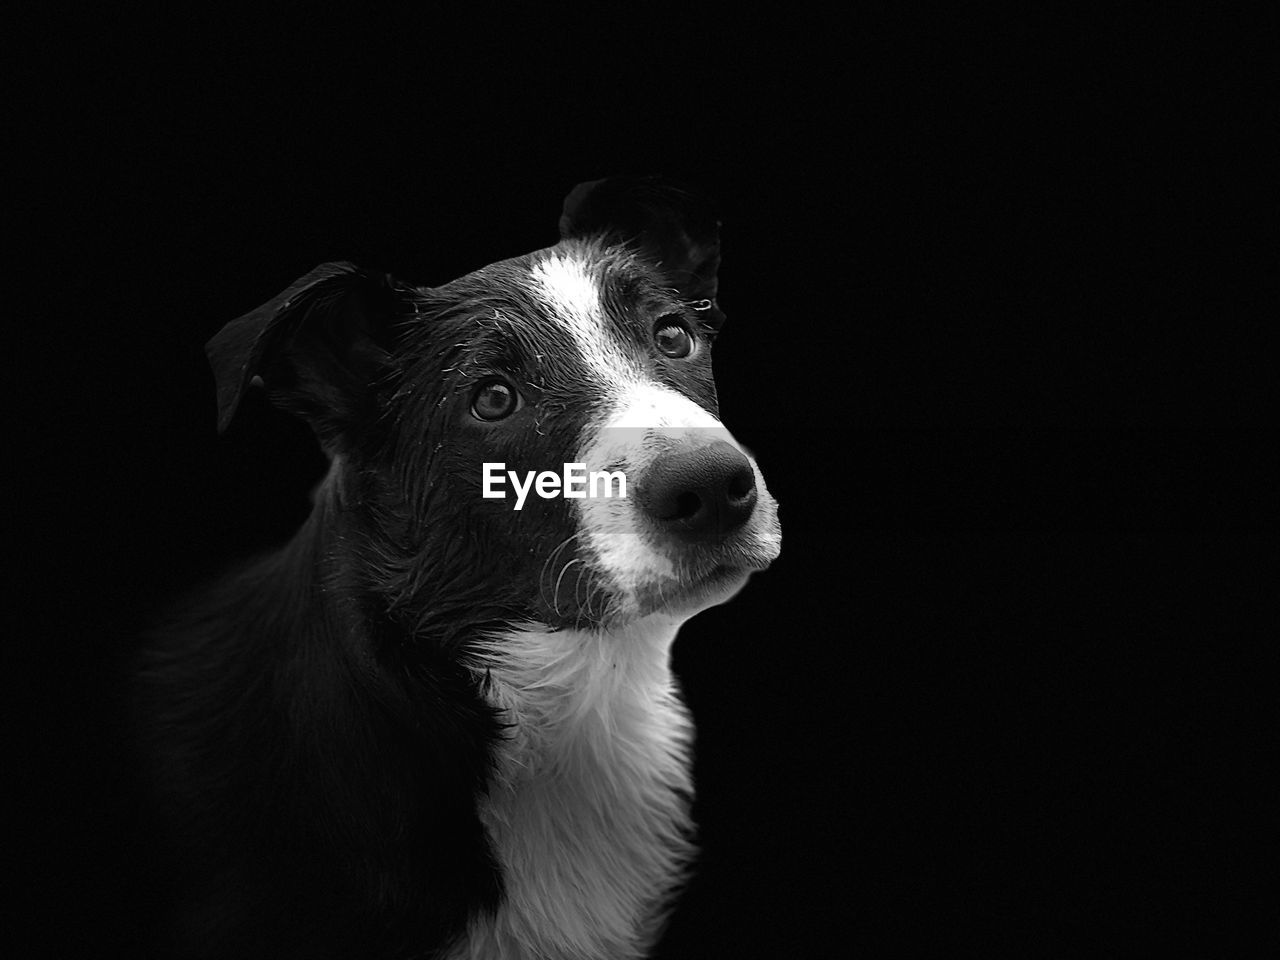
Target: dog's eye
674, 340
494, 400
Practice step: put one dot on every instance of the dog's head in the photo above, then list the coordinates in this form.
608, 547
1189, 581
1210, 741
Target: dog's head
594, 353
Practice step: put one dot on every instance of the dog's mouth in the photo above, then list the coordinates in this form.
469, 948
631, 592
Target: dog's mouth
691, 589
736, 563
751, 551
705, 582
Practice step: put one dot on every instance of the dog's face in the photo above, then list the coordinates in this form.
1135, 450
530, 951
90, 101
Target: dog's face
594, 353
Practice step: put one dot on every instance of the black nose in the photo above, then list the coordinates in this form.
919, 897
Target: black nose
701, 493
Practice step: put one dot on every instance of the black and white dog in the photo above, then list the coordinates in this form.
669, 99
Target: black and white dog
441, 721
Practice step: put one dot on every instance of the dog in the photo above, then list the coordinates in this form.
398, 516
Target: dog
433, 724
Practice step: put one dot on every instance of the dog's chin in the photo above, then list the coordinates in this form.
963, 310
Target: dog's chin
684, 598
667, 599
704, 586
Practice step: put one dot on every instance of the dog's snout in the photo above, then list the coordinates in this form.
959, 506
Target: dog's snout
705, 492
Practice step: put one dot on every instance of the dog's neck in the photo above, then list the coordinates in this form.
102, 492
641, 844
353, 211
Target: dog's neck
588, 807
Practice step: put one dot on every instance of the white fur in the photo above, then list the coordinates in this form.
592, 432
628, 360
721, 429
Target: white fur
585, 811
640, 425
633, 408
568, 287
655, 406
587, 807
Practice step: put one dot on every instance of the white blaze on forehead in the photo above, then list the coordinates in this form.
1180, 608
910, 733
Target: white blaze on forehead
573, 294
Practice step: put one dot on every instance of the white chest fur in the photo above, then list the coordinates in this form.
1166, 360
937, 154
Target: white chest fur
587, 810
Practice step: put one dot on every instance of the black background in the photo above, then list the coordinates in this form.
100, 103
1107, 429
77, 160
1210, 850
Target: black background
998, 304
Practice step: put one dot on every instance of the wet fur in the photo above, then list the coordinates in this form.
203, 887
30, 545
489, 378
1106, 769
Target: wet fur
429, 725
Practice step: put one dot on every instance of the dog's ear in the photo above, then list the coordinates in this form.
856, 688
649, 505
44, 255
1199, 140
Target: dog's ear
669, 224
318, 347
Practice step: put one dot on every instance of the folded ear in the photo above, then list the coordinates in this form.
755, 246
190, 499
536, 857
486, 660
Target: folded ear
667, 223
318, 347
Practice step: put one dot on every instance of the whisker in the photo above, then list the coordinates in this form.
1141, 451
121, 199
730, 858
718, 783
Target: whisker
555, 594
544, 575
